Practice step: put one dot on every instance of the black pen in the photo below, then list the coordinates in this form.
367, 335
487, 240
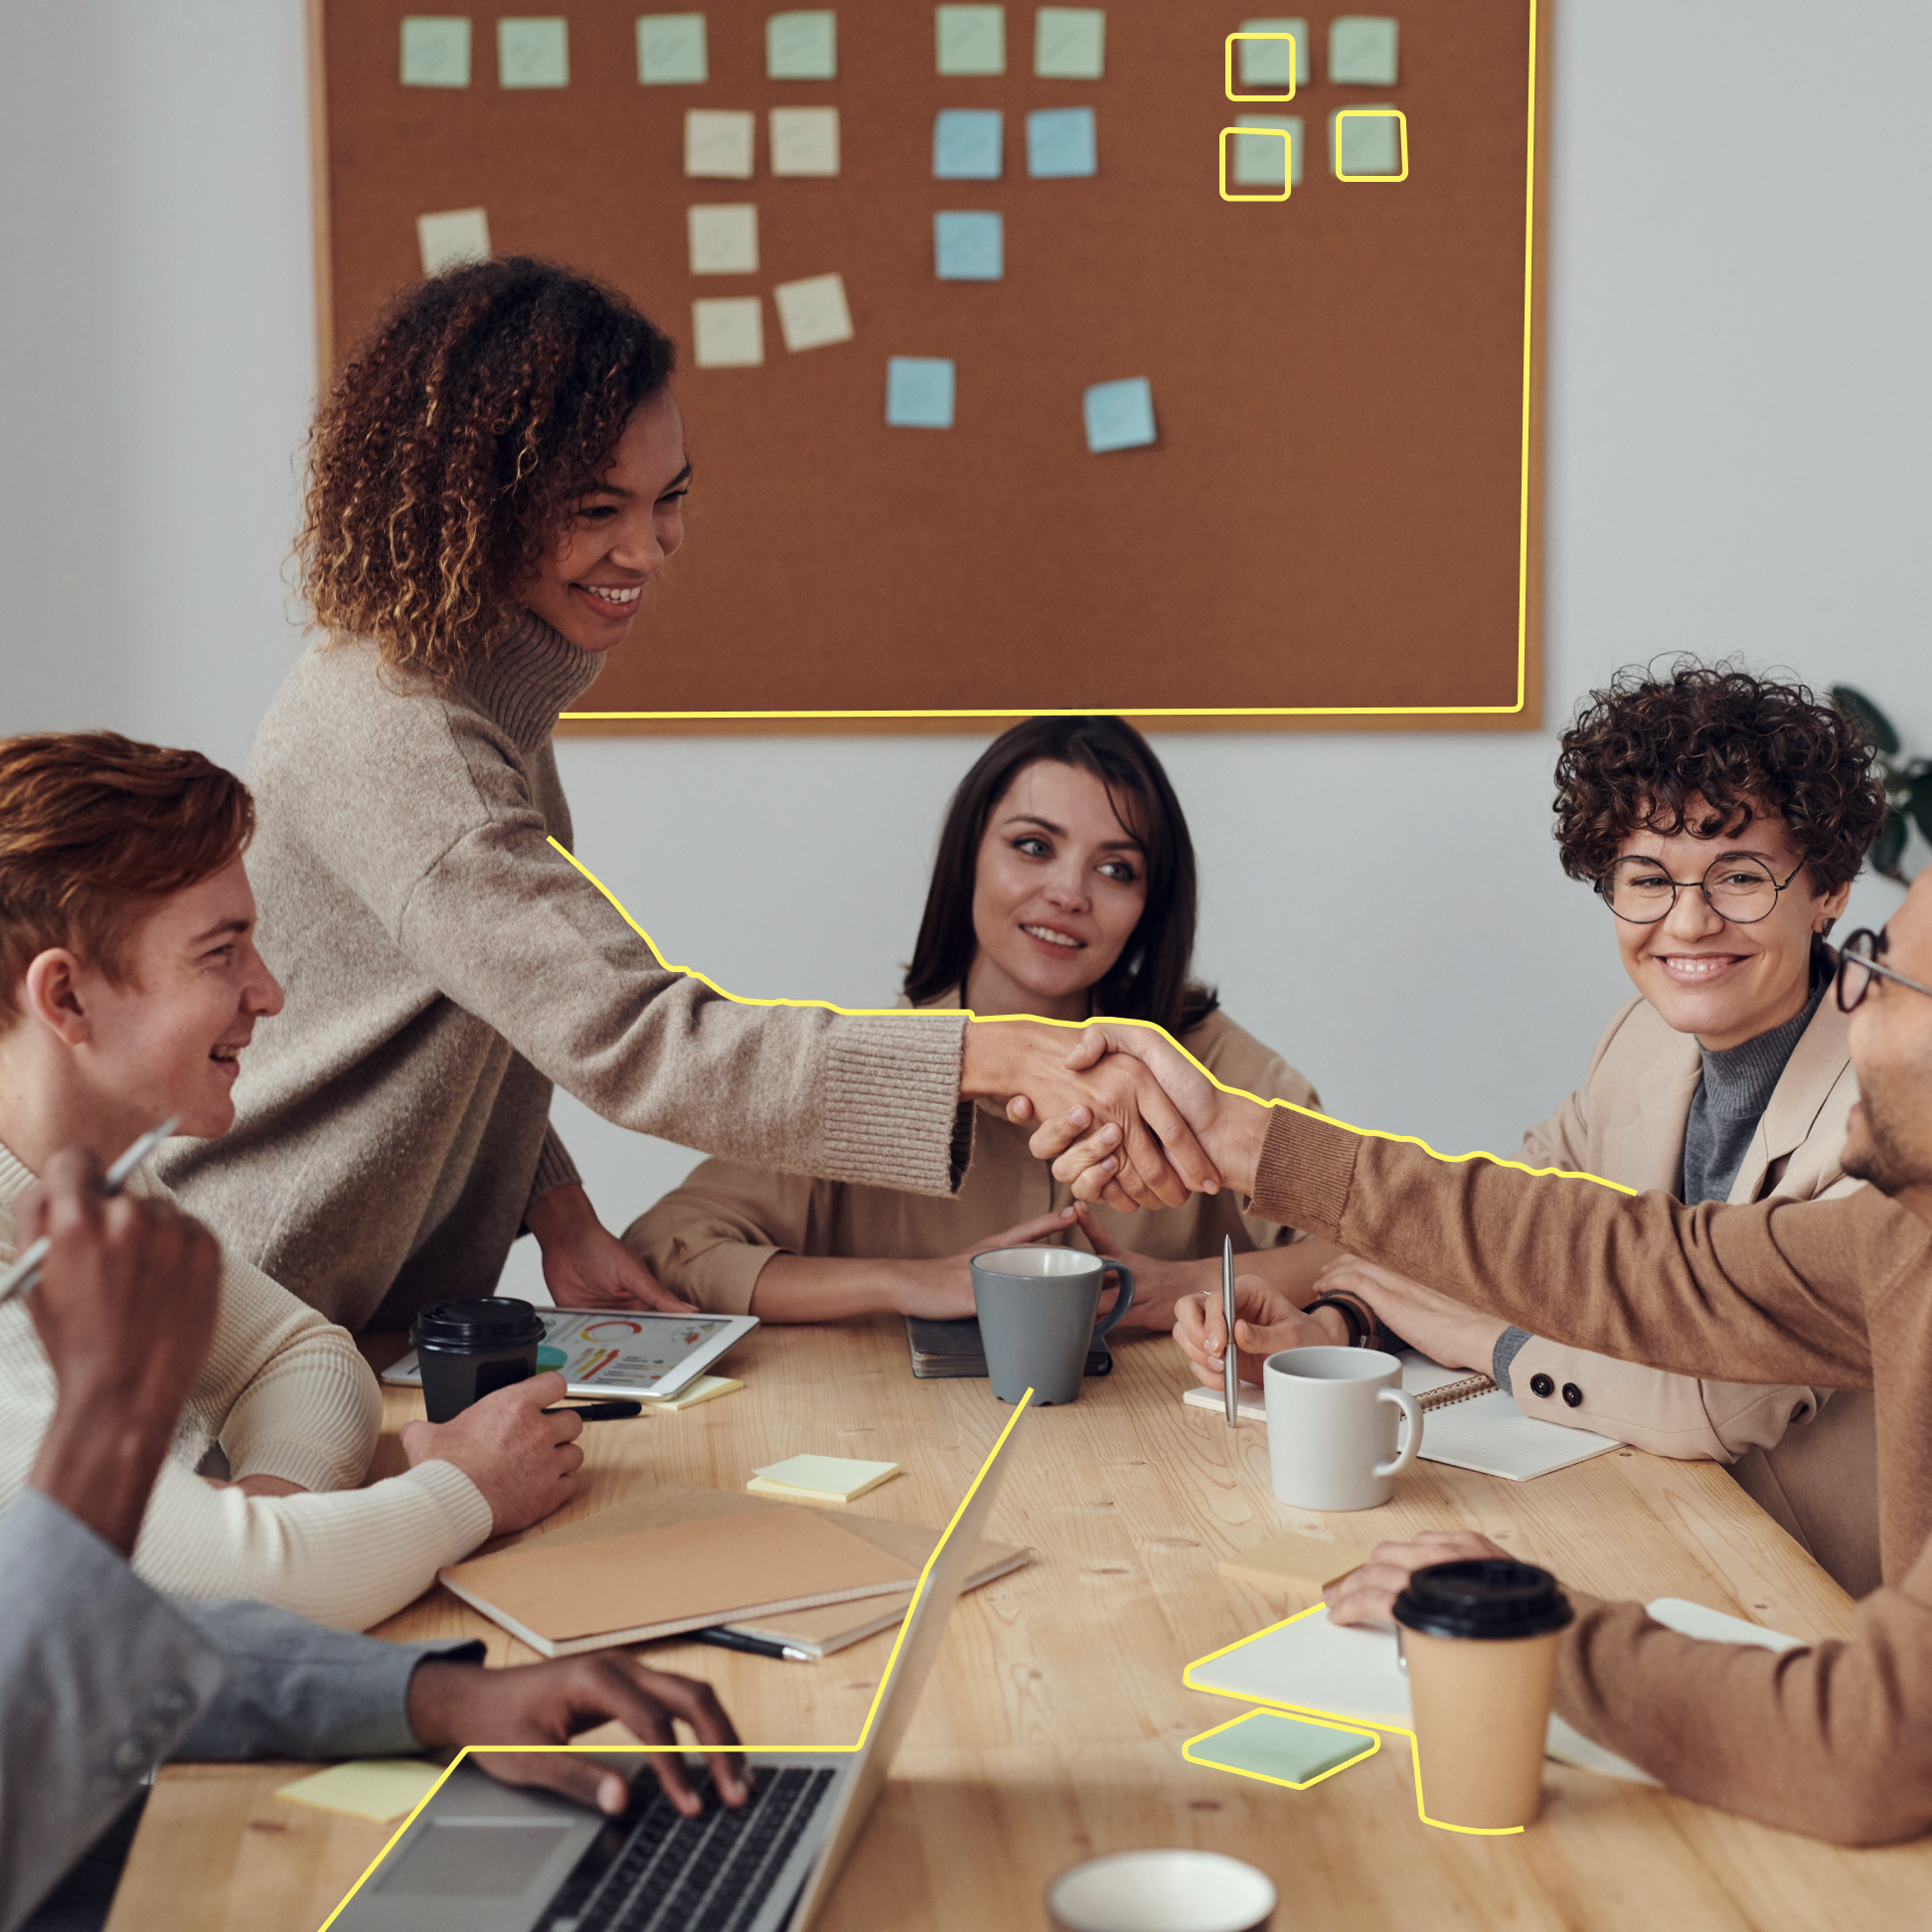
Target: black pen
599, 1411
727, 1639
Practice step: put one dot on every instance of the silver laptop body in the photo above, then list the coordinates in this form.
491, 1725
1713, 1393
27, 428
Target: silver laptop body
483, 1856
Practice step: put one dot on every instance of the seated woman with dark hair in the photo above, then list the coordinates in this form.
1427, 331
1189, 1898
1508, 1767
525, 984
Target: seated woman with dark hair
1721, 818
1064, 888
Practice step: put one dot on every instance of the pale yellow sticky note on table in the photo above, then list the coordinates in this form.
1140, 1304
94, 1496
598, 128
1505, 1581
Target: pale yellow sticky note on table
705, 1388
839, 1478
379, 1789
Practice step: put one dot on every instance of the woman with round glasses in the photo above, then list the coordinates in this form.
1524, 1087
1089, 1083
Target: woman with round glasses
1721, 818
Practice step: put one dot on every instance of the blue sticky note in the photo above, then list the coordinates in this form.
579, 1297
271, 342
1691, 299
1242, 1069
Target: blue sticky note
1060, 141
966, 143
1119, 415
919, 393
968, 246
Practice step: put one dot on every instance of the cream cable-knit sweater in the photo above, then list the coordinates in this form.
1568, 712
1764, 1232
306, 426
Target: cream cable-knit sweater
285, 1394
444, 965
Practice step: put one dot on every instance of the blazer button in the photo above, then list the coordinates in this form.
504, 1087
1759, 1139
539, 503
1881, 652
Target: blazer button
1541, 1385
1572, 1396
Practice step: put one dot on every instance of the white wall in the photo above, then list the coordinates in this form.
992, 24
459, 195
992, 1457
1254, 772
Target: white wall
1738, 420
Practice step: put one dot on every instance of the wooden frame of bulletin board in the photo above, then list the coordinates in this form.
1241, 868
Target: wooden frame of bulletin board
1338, 523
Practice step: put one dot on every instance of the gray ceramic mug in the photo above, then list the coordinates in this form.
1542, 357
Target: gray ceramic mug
1036, 1316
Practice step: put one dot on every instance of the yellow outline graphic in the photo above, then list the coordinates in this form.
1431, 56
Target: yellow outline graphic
1251, 711
1334, 1717
1287, 164
1372, 113
766, 1750
1227, 63
1075, 1026
1353, 1729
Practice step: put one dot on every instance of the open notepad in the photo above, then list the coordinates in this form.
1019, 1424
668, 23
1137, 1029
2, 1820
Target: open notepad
1351, 1672
1488, 1433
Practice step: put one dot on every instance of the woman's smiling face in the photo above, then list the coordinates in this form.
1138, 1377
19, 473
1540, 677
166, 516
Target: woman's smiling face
621, 534
1059, 888
1725, 983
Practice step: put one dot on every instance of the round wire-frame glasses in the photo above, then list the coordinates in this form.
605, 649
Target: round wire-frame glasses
1739, 888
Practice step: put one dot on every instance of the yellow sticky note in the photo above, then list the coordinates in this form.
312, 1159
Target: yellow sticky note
804, 140
718, 143
379, 1789
842, 1477
724, 238
708, 1388
812, 312
727, 332
456, 234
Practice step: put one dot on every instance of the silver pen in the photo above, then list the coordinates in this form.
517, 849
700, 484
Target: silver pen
1230, 1357
25, 1269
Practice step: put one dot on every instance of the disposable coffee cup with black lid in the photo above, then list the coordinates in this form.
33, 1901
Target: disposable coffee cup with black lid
1483, 1597
1480, 1640
471, 1348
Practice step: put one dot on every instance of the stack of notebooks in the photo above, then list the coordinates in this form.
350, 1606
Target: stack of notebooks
677, 1558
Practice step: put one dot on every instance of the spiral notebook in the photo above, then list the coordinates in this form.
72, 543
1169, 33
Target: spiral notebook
1481, 1429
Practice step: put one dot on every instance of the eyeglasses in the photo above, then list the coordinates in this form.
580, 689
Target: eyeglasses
1738, 888
1859, 966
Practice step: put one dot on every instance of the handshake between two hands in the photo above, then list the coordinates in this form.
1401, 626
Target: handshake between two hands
1123, 1114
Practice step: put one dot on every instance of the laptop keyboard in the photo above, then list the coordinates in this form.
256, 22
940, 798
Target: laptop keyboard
659, 1871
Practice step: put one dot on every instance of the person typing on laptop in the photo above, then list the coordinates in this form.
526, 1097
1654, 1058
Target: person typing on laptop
102, 1678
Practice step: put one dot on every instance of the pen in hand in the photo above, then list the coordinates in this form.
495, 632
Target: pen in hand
25, 1270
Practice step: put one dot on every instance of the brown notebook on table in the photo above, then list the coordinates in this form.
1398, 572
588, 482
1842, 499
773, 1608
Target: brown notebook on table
633, 1559
624, 1583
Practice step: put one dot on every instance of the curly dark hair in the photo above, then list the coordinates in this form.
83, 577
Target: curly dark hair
1747, 746
452, 444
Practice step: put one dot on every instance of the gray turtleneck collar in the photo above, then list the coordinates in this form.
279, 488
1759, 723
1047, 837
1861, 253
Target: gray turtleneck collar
1730, 1101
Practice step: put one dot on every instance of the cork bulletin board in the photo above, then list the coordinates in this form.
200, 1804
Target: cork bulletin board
1336, 523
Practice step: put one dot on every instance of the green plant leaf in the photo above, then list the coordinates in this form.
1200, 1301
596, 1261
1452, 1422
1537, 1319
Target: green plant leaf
1866, 715
1921, 805
1890, 841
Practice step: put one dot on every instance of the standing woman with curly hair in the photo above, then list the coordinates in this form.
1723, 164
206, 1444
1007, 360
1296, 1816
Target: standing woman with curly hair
1722, 819
496, 476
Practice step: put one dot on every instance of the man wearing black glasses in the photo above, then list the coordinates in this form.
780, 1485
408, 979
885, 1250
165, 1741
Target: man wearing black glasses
1834, 1739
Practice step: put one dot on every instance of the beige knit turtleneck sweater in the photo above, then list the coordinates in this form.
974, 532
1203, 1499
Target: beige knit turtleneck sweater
284, 1394
443, 965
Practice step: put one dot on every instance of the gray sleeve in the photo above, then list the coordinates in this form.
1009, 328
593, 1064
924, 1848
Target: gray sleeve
1508, 1344
98, 1679
296, 1690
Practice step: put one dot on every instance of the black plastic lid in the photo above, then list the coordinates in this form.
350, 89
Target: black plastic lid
484, 1322
1486, 1596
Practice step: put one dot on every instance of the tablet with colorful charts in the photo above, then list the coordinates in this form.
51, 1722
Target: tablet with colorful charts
603, 1352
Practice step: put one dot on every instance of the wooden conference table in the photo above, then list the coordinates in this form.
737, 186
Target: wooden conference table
1051, 1728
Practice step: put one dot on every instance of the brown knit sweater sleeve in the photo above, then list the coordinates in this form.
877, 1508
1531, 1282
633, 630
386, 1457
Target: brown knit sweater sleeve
1773, 1292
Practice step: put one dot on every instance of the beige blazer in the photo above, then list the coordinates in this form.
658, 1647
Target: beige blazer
1626, 1123
710, 1238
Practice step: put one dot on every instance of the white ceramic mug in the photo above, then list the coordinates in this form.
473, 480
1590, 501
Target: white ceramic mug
1332, 1416
1162, 1891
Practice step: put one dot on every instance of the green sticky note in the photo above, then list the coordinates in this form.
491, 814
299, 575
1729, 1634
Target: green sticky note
435, 50
533, 53
379, 1789
671, 51
1369, 142
1280, 1750
1256, 159
802, 47
1264, 63
1361, 50
1069, 43
971, 40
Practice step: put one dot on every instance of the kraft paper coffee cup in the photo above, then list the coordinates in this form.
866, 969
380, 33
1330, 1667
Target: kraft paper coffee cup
468, 1348
1480, 1640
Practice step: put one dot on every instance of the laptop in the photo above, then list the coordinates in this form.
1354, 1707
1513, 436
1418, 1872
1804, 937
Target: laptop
483, 1856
